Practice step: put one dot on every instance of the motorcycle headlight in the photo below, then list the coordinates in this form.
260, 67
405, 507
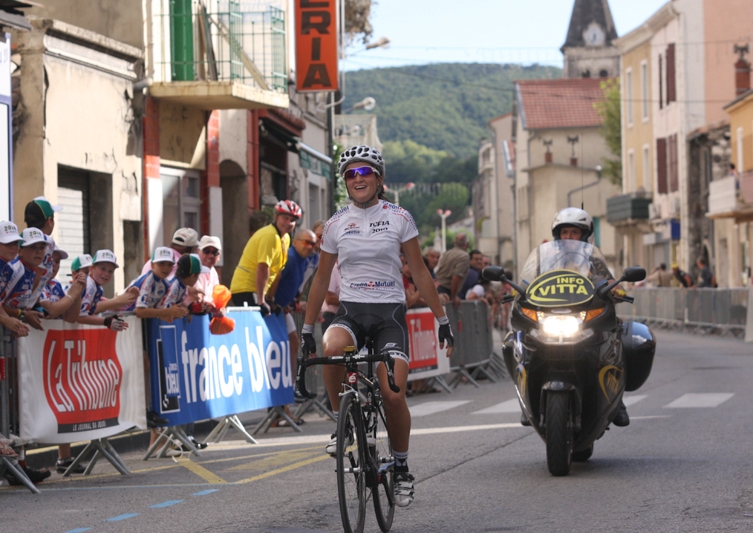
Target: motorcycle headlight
560, 325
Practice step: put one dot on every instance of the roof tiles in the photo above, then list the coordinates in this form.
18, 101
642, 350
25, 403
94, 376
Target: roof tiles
560, 103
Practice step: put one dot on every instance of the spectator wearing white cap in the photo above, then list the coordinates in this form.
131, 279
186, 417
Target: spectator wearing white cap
9, 244
154, 286
103, 267
58, 302
210, 249
185, 241
40, 214
20, 291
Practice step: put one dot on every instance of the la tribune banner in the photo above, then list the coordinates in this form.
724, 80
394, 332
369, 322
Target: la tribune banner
196, 375
80, 382
426, 358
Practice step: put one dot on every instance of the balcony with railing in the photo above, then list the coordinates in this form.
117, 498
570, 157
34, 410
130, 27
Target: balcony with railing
627, 209
732, 197
214, 54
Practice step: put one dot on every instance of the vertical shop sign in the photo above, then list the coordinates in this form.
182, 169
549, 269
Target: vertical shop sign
316, 45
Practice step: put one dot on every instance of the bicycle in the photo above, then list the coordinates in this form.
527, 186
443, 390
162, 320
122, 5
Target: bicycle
364, 460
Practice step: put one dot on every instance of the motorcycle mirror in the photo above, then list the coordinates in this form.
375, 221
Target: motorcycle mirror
493, 273
634, 273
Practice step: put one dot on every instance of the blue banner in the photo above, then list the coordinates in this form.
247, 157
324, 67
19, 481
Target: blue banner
196, 375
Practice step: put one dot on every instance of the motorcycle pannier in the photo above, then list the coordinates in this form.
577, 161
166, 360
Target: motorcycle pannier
638, 347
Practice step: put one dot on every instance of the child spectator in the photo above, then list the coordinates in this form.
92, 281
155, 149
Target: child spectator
82, 263
9, 239
153, 285
103, 266
57, 302
186, 276
22, 287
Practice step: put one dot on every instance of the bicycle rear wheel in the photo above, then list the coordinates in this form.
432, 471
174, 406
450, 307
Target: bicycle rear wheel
384, 491
351, 461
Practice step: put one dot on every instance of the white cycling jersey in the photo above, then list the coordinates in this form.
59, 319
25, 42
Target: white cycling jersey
367, 243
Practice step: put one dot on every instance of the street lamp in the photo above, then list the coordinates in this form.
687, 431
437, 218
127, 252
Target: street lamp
444, 214
367, 104
404, 188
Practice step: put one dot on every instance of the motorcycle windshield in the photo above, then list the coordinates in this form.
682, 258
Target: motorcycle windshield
576, 256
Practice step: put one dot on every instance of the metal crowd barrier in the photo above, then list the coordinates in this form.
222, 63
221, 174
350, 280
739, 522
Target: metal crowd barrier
722, 310
473, 354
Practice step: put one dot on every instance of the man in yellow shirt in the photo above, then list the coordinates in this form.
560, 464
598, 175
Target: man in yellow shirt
256, 276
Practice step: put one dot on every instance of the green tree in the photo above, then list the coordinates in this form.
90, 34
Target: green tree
611, 129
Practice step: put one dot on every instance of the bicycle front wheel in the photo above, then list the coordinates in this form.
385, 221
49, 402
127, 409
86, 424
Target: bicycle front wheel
351, 461
384, 490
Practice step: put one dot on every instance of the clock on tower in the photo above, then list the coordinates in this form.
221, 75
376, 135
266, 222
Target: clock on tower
594, 35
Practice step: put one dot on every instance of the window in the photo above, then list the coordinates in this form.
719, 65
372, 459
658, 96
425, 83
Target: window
661, 85
644, 90
630, 185
661, 166
740, 149
629, 91
674, 175
647, 167
181, 200
671, 87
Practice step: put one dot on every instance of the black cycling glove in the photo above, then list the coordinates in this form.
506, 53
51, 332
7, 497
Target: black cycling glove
445, 332
308, 342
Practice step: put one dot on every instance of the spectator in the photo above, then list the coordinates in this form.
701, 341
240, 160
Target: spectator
255, 278
40, 214
185, 241
82, 263
210, 249
17, 302
474, 273
152, 287
288, 288
187, 273
479, 292
706, 278
659, 277
486, 261
103, 267
9, 241
452, 270
431, 255
57, 302
21, 289
682, 277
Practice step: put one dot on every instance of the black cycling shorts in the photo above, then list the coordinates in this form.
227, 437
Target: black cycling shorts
384, 323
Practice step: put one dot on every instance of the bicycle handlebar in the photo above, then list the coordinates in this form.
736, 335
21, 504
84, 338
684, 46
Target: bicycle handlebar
302, 393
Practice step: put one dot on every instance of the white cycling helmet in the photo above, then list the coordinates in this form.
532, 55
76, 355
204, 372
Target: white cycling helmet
572, 216
362, 153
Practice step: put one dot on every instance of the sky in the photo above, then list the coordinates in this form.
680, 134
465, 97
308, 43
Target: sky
482, 31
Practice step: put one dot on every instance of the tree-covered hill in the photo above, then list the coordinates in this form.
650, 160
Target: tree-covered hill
442, 106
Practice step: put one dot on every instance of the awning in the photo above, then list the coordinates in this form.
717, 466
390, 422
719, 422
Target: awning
315, 161
12, 20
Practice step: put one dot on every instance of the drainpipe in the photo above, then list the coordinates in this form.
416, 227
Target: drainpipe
598, 180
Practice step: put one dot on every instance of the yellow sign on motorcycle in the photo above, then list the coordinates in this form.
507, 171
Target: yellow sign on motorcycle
560, 288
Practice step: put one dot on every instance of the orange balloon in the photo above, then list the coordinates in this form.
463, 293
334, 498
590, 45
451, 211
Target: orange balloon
221, 325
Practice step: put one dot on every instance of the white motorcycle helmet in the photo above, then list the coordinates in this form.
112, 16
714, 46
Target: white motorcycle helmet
572, 216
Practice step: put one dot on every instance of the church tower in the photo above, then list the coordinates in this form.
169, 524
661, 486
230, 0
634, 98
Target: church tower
588, 49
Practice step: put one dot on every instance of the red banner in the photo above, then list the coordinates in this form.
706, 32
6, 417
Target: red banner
426, 358
316, 45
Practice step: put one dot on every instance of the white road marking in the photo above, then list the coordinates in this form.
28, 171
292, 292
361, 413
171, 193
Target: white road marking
510, 406
630, 400
430, 408
700, 400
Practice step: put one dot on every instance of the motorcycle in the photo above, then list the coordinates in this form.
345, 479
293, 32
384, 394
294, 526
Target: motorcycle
569, 354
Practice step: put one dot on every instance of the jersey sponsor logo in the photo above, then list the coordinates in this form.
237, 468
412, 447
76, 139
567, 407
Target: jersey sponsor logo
379, 223
373, 285
379, 230
351, 226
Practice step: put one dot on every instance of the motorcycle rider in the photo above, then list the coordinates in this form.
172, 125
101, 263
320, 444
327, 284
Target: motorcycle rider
576, 224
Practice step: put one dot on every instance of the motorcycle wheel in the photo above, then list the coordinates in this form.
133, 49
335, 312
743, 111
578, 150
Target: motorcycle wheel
583, 455
559, 433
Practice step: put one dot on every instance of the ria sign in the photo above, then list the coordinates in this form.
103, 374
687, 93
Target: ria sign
316, 45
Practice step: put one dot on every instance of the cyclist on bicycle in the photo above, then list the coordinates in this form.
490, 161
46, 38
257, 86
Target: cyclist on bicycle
366, 239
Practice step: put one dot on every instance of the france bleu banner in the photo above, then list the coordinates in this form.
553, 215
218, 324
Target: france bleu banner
196, 375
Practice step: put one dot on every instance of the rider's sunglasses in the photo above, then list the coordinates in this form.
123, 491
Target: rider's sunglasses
360, 171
